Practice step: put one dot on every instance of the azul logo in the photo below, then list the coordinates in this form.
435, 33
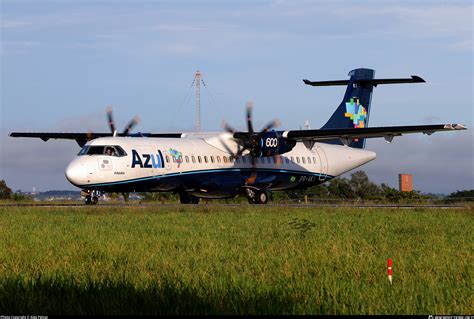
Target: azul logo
356, 112
177, 156
147, 160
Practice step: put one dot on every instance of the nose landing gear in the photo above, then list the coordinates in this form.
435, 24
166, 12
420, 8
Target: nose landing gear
91, 197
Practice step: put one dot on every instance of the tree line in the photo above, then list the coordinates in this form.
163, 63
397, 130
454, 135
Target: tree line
356, 187
359, 187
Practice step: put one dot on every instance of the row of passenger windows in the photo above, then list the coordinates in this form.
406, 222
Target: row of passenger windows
115, 150
230, 159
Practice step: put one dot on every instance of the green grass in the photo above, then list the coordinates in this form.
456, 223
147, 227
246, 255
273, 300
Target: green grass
235, 260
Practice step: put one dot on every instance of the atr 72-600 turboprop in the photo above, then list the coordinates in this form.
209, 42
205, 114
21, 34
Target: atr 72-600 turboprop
228, 164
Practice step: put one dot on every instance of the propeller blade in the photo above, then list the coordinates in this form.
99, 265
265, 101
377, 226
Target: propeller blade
252, 178
227, 127
269, 126
89, 135
228, 149
249, 117
240, 151
278, 160
131, 124
111, 120
253, 175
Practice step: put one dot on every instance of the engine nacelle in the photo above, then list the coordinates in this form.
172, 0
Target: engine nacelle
272, 143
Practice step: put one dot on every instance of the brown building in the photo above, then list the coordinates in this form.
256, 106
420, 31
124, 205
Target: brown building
405, 182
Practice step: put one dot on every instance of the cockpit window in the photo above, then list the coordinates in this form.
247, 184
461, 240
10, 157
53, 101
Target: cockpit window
84, 150
109, 150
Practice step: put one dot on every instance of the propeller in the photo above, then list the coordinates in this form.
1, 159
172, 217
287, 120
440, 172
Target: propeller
110, 120
250, 140
127, 129
131, 125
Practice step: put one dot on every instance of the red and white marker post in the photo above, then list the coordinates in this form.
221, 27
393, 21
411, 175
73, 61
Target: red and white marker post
389, 270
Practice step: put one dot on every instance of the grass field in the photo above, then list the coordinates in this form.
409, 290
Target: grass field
235, 260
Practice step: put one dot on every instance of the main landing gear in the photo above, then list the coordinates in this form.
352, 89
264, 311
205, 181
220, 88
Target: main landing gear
256, 196
186, 198
91, 197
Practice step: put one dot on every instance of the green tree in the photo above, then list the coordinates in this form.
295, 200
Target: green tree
318, 191
394, 195
464, 195
362, 187
340, 188
5, 191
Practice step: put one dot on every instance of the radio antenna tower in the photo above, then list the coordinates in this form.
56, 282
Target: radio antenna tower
197, 80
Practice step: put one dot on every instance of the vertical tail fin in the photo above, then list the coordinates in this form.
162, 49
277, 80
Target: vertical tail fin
354, 109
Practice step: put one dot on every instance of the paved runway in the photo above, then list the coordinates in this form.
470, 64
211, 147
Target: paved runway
144, 205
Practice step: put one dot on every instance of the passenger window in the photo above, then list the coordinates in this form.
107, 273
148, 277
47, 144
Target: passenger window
193, 158
287, 160
167, 159
199, 159
186, 158
314, 160
224, 158
212, 159
231, 159
174, 159
303, 160
309, 160
243, 159
297, 159
292, 159
205, 159
218, 159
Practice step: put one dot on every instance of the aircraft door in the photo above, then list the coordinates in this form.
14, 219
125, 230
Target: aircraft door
323, 162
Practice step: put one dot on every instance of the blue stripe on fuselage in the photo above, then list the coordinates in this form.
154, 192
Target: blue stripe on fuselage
158, 177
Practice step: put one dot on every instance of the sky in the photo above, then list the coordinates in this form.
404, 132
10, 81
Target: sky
63, 62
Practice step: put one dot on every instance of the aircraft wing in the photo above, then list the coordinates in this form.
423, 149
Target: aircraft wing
387, 132
82, 138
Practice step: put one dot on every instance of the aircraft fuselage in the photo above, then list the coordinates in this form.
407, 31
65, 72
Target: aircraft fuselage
201, 166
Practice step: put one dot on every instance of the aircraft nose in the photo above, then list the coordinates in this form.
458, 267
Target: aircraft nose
75, 173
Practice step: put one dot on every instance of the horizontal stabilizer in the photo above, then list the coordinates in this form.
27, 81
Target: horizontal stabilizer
374, 82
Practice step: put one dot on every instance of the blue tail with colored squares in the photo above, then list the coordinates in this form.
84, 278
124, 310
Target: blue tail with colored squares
354, 110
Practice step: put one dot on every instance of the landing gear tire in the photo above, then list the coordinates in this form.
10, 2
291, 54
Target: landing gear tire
91, 197
261, 197
185, 198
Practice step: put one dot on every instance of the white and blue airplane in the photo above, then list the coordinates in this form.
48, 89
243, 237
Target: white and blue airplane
228, 164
